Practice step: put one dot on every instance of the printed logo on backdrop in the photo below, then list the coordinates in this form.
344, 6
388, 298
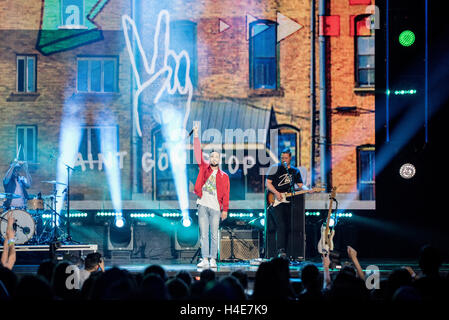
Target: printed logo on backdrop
72, 13
68, 24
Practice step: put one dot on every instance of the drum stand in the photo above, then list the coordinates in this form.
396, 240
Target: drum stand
53, 236
55, 231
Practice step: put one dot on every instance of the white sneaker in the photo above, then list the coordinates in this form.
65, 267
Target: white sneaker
213, 263
204, 263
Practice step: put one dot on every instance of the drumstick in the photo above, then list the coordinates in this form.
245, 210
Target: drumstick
18, 153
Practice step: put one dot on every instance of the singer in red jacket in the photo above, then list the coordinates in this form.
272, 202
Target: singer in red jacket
212, 189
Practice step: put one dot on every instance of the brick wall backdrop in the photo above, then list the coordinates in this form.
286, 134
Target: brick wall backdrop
223, 73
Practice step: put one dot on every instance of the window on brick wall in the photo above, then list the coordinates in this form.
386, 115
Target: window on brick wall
94, 137
97, 74
366, 172
26, 143
183, 37
262, 55
26, 73
365, 61
364, 49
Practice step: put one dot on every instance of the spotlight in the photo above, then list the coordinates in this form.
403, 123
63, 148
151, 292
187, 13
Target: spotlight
119, 221
407, 38
407, 171
186, 222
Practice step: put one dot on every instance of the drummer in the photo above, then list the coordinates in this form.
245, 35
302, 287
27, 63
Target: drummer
15, 182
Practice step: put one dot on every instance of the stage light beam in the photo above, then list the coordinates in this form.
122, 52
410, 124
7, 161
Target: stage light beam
69, 142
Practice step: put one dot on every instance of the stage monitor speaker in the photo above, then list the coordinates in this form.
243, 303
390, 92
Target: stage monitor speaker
239, 244
186, 238
120, 239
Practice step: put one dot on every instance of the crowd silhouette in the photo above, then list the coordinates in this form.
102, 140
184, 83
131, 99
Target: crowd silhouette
88, 280
272, 283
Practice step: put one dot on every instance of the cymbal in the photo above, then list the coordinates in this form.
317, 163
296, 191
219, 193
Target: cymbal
55, 182
50, 196
9, 196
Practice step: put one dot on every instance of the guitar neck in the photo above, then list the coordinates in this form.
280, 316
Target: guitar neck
327, 220
290, 194
331, 197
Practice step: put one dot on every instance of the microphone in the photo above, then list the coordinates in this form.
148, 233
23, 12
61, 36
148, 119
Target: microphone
196, 124
285, 165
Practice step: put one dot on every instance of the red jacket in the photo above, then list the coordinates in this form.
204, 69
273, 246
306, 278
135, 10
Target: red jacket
222, 180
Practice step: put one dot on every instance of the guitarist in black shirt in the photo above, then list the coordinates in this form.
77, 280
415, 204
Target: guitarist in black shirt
279, 220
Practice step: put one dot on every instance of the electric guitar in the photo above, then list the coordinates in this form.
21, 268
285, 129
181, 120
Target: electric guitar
273, 201
326, 244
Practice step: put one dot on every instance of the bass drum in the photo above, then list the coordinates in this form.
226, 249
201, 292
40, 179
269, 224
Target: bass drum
24, 225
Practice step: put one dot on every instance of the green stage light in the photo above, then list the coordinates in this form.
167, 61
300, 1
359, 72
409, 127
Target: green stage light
404, 92
407, 38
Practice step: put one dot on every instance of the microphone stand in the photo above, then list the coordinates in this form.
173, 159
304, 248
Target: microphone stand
232, 237
292, 190
69, 237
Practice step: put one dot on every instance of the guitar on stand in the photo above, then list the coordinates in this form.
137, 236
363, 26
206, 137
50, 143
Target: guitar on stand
326, 243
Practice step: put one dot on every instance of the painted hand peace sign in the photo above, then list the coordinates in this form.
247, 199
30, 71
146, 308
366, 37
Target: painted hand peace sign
161, 75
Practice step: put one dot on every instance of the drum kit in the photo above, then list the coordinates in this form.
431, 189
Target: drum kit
30, 226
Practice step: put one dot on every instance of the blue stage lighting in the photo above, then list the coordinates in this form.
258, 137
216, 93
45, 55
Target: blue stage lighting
69, 141
109, 146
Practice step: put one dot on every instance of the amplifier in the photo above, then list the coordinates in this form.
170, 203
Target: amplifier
239, 244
